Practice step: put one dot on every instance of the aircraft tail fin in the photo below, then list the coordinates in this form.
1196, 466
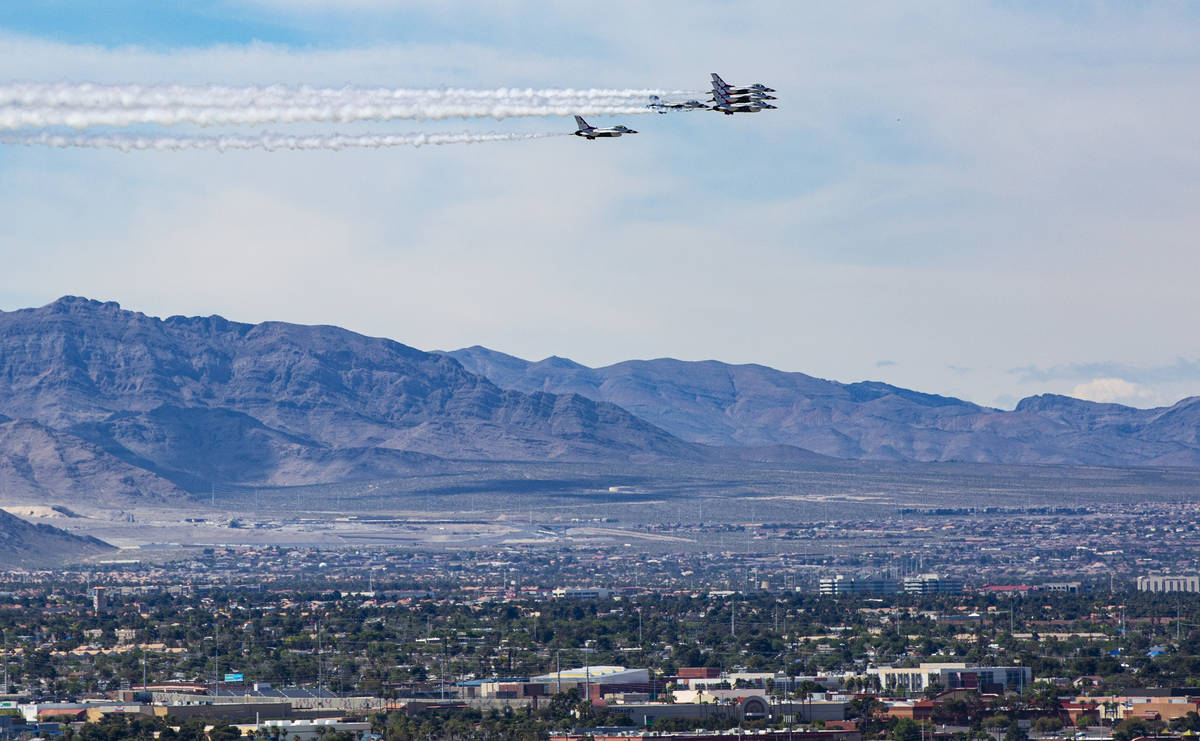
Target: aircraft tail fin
718, 82
581, 123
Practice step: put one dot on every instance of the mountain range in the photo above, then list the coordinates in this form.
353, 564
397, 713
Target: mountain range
96, 397
717, 403
103, 405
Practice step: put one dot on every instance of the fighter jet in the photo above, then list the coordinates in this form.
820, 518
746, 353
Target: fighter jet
758, 87
729, 106
742, 96
758, 101
592, 133
657, 104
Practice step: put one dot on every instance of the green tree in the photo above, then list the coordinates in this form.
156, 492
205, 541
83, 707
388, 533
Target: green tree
224, 732
1131, 728
906, 729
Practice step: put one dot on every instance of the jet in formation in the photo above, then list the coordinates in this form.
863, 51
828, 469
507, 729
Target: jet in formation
725, 98
592, 133
661, 106
729, 100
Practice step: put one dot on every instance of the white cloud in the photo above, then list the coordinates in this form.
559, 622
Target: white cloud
1115, 391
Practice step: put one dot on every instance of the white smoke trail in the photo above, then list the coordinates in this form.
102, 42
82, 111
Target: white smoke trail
71, 95
81, 106
12, 117
268, 142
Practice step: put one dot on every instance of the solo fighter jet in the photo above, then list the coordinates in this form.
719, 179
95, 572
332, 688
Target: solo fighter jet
592, 133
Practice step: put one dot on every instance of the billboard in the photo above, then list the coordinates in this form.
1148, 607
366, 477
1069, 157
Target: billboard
234, 677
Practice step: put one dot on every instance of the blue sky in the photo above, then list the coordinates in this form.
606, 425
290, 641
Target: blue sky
149, 24
997, 199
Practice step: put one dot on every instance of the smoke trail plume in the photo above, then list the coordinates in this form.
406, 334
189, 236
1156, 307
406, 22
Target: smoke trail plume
268, 142
81, 118
71, 95
82, 106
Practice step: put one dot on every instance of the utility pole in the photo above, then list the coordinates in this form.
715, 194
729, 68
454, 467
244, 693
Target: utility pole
216, 658
732, 613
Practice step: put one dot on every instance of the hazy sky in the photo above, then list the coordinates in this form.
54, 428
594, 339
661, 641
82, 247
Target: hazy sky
987, 200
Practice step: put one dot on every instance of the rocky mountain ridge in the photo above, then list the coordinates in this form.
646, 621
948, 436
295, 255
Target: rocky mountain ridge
139, 406
722, 404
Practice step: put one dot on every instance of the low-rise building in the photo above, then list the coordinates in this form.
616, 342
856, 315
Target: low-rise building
582, 593
1168, 583
580, 677
306, 730
954, 675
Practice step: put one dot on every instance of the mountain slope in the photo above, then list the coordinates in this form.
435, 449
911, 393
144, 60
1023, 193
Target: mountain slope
27, 545
189, 401
721, 404
36, 460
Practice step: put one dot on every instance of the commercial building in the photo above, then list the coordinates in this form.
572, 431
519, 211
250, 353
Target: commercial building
1070, 587
582, 593
593, 682
1168, 583
594, 675
931, 584
841, 585
306, 730
956, 675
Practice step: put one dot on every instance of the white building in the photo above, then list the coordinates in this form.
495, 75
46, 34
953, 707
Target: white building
953, 675
1168, 583
932, 584
593, 675
582, 593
